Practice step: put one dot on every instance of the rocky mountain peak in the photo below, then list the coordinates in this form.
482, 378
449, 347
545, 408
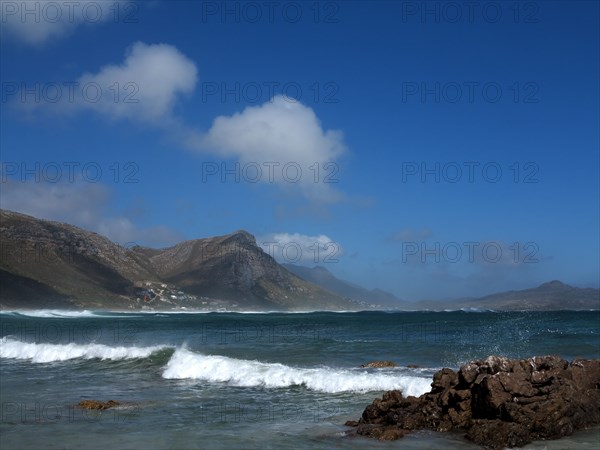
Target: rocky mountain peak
242, 237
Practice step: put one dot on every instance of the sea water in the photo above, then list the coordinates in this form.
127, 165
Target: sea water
264, 380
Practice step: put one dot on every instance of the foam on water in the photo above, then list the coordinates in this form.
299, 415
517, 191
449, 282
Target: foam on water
185, 364
44, 353
50, 313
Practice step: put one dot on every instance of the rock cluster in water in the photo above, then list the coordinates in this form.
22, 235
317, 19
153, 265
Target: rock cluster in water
499, 402
379, 364
97, 404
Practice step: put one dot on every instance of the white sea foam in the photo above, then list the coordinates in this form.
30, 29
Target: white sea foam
185, 364
44, 353
44, 313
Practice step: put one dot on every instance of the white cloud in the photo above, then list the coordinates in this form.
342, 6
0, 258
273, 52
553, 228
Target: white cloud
283, 132
296, 248
85, 205
149, 82
76, 203
37, 22
283, 138
276, 129
145, 88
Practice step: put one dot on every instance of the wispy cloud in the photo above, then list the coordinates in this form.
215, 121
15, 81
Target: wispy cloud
37, 22
86, 205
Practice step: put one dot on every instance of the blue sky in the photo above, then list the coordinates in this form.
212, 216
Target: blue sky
431, 149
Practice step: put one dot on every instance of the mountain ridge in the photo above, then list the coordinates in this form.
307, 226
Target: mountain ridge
323, 277
42, 258
48, 264
550, 295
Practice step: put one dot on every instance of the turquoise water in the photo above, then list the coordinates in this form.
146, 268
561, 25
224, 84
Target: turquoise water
230, 380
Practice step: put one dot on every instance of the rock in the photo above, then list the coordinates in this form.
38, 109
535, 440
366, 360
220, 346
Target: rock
498, 402
379, 364
97, 404
489, 432
413, 366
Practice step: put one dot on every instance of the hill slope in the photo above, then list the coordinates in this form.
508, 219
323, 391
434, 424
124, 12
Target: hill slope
52, 264
553, 295
57, 264
320, 276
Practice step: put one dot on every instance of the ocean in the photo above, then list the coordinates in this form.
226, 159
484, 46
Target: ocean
251, 381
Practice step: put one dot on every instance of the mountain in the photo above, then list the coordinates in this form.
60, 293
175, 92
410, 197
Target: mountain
56, 264
320, 276
45, 264
236, 268
553, 295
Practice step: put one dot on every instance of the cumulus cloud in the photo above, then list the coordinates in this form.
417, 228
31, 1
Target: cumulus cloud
282, 134
296, 248
145, 87
281, 142
82, 204
149, 82
279, 128
36, 22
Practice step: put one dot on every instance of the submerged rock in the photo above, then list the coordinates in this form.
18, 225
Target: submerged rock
379, 364
97, 404
498, 402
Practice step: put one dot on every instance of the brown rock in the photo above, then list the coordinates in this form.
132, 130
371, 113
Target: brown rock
96, 404
379, 364
499, 402
497, 435
586, 373
444, 379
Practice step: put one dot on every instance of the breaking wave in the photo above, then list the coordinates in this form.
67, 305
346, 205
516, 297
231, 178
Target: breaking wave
44, 353
185, 364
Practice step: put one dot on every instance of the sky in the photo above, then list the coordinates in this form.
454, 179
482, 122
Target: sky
431, 149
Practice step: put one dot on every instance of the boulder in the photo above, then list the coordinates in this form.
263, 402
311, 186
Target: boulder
97, 404
498, 402
379, 364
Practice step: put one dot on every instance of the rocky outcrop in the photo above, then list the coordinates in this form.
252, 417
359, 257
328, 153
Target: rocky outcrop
97, 404
379, 364
499, 402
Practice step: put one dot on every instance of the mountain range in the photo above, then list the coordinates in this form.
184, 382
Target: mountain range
46, 264
553, 295
51, 264
321, 276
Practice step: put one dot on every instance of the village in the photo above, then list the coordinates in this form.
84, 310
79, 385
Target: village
156, 295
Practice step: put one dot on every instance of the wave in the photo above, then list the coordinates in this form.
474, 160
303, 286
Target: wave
44, 353
185, 364
45, 313
73, 314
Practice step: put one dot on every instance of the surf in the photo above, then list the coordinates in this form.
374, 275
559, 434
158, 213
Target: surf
185, 364
46, 353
